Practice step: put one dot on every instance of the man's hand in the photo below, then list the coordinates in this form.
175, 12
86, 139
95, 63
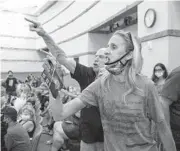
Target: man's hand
36, 26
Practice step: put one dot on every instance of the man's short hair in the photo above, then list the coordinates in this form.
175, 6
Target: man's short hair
10, 112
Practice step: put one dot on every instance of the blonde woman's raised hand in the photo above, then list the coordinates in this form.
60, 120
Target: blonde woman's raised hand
36, 27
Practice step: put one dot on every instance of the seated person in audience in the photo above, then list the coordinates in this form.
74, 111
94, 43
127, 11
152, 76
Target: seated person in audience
31, 102
43, 94
4, 97
45, 113
48, 116
17, 138
3, 91
28, 121
3, 127
29, 105
3, 101
24, 89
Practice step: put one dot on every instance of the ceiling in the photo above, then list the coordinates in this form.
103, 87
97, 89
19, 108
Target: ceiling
22, 6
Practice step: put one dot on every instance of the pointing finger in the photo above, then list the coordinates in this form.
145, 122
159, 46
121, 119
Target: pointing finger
31, 21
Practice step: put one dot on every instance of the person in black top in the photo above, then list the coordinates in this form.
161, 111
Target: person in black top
171, 102
11, 83
90, 122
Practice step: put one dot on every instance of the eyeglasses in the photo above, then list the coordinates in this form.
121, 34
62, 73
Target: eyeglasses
158, 69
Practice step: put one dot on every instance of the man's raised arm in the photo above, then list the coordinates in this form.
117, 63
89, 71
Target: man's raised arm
52, 46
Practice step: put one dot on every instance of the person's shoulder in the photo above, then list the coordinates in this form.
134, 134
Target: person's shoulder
176, 70
14, 130
175, 74
19, 129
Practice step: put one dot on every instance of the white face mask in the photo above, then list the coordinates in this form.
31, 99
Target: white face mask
159, 74
25, 117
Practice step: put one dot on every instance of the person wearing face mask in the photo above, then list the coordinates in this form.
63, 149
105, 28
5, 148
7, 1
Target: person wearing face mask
28, 121
127, 100
159, 76
17, 138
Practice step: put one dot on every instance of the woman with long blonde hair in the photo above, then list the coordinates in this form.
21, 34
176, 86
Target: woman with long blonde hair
128, 101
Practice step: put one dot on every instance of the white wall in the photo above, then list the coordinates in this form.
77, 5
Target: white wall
77, 45
13, 24
174, 15
21, 66
17, 41
165, 49
55, 9
17, 44
155, 53
97, 14
161, 8
174, 52
30, 55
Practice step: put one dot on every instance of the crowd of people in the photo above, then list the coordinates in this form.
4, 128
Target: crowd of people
18, 108
22, 105
118, 108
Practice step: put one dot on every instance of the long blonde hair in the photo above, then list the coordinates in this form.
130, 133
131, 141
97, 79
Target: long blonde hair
133, 67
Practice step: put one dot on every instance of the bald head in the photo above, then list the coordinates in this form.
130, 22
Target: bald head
100, 59
102, 51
